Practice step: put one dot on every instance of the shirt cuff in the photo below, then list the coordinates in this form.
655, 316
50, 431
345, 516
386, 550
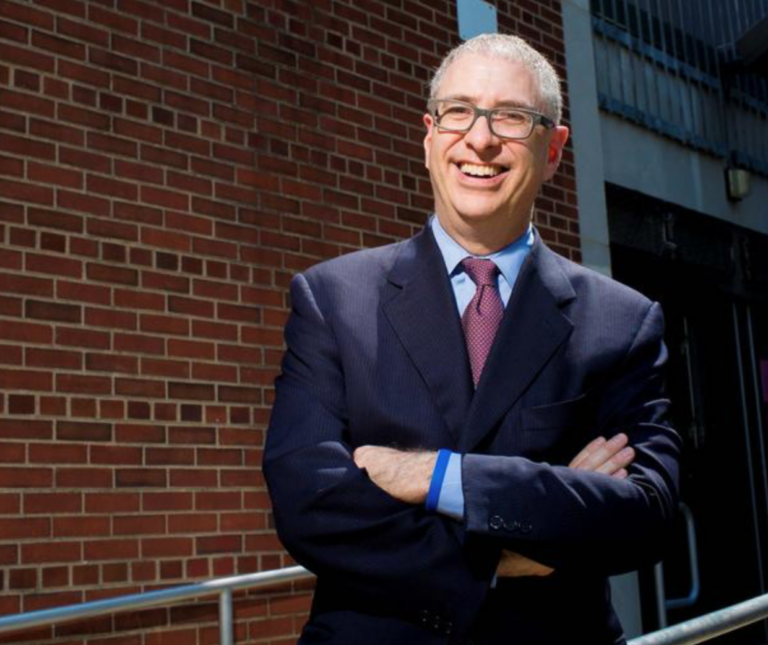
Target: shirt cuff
451, 499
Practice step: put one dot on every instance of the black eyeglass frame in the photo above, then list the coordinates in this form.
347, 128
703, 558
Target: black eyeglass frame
536, 117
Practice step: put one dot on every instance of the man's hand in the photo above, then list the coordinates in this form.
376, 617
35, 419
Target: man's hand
403, 474
608, 457
514, 565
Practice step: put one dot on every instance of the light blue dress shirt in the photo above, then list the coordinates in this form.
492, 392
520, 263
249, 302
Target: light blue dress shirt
509, 260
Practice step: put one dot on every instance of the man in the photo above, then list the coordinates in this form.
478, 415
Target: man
423, 454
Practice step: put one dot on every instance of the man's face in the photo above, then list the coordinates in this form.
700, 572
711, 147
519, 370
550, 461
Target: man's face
465, 196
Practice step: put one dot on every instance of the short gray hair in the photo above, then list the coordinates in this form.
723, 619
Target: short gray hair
515, 49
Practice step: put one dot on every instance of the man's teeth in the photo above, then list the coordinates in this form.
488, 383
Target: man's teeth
479, 171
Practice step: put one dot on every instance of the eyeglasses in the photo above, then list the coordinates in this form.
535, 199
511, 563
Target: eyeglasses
505, 122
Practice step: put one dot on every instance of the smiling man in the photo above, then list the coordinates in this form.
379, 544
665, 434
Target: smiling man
469, 432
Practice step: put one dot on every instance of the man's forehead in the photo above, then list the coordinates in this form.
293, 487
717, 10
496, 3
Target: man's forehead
476, 77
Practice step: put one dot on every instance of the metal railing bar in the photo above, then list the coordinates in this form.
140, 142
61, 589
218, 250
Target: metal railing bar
709, 626
150, 599
690, 632
226, 625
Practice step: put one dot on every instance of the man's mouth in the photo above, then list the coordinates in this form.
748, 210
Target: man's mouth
481, 170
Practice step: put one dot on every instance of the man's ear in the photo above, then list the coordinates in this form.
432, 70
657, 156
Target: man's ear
557, 140
430, 123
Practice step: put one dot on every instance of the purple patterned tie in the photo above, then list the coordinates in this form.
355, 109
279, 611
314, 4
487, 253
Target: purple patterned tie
483, 314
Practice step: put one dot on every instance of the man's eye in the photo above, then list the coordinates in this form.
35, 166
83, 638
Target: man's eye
457, 111
511, 116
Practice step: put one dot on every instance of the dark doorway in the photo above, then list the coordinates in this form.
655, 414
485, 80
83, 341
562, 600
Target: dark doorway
717, 335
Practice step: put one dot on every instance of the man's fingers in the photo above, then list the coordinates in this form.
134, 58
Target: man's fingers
606, 457
605, 452
362, 455
618, 462
586, 452
515, 565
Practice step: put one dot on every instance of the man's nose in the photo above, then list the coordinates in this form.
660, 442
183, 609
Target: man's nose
480, 136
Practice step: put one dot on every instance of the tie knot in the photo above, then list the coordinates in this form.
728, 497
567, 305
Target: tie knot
482, 272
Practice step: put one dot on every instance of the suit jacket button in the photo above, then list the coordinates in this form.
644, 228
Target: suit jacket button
496, 522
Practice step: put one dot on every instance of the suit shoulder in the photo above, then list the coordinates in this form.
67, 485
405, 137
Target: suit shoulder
359, 268
588, 283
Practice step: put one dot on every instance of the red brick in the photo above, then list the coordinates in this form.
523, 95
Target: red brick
56, 577
169, 456
77, 384
77, 337
112, 502
53, 358
20, 404
83, 477
54, 219
139, 343
26, 477
166, 547
52, 311
219, 544
57, 266
165, 198
82, 31
82, 203
24, 192
12, 453
83, 431
10, 504
195, 478
52, 503
140, 388
139, 477
217, 373
25, 380
110, 550
164, 282
26, 57
190, 348
57, 453
159, 367
193, 523
139, 525
113, 274
81, 526
25, 332
110, 318
111, 363
198, 391
164, 324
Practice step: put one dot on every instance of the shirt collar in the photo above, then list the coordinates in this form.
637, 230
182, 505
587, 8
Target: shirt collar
509, 259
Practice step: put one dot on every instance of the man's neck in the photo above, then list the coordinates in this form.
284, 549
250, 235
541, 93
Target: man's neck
484, 238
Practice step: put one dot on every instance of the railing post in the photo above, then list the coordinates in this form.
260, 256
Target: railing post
226, 622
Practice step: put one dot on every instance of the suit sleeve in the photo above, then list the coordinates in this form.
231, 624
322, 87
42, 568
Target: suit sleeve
572, 519
331, 517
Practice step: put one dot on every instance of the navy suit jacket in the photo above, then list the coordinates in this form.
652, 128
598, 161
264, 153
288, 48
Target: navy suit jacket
376, 355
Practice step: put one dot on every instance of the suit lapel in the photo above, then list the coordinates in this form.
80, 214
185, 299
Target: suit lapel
421, 308
532, 329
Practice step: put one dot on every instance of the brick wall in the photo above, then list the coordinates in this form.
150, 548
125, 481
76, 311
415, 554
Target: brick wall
165, 167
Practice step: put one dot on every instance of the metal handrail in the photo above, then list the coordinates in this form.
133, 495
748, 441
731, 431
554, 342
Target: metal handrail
708, 626
696, 630
221, 586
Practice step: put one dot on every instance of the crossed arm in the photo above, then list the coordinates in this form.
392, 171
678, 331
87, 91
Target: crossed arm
406, 476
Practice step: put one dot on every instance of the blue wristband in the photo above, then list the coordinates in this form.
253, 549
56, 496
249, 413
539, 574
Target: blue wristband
438, 475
